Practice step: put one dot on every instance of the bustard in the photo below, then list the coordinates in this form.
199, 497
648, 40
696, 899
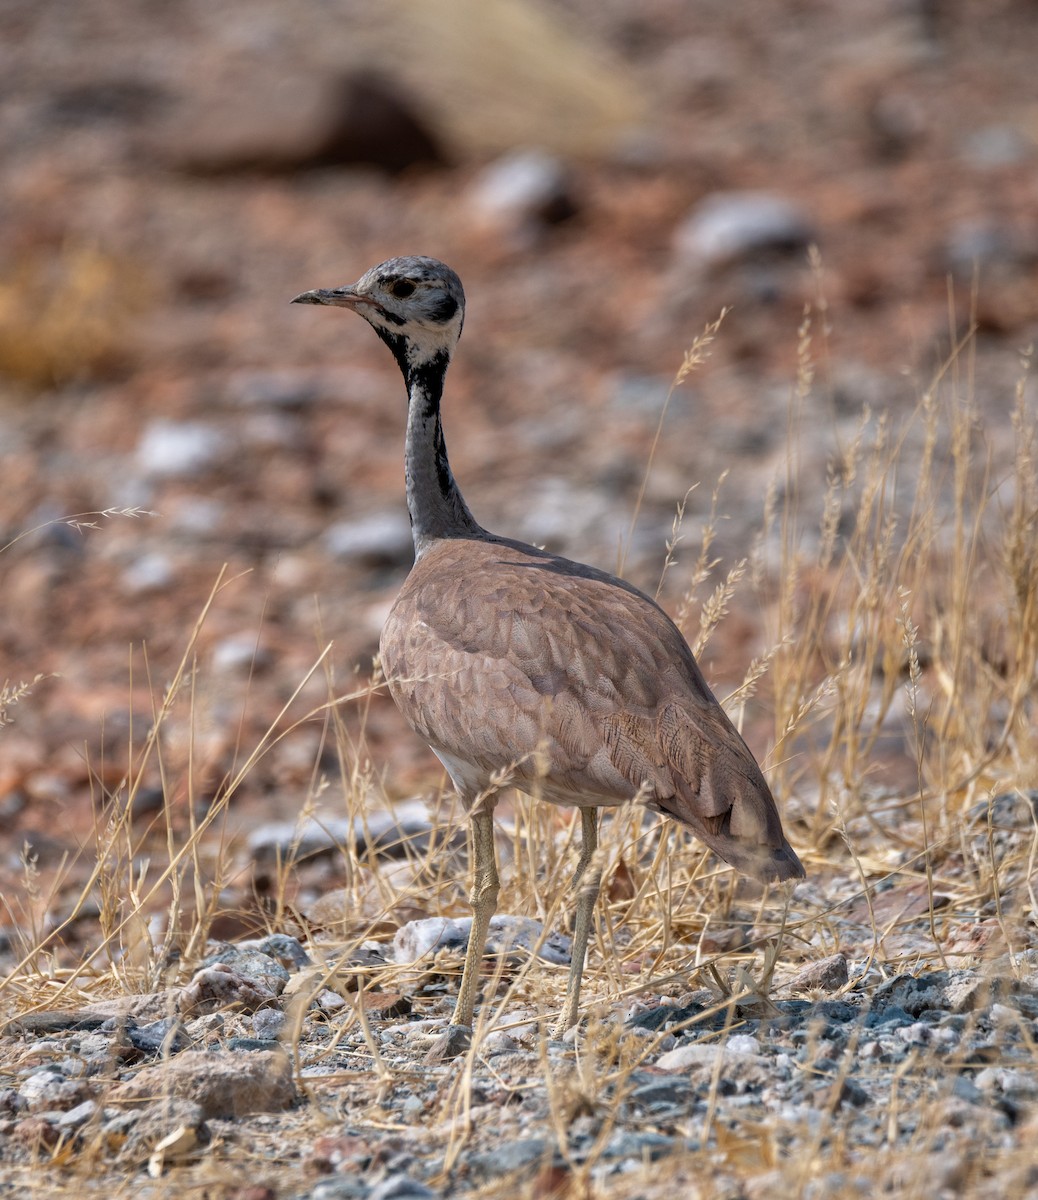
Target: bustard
521, 668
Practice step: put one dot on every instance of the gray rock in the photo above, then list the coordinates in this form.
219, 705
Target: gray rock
291, 840
739, 1072
288, 390
239, 654
662, 1093
403, 830
143, 1127
417, 939
375, 539
222, 986
727, 227
253, 964
166, 1036
954, 991
44, 1090
221, 1082
640, 1145
179, 449
826, 975
312, 118
525, 1154
522, 192
743, 1043
348, 1188
268, 1023
996, 146
401, 1187
76, 1118
282, 947
152, 572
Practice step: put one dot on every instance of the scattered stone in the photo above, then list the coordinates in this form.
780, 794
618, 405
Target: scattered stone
54, 1021
167, 1036
498, 1042
379, 539
76, 1118
403, 831
223, 986
996, 146
48, 1090
144, 1128
341, 975
525, 1155
286, 950
36, 1134
454, 1041
401, 1187
644, 1146
239, 654
352, 1187
827, 975
179, 449
727, 227
152, 572
418, 939
662, 1093
221, 1082
520, 194
739, 1071
253, 963
268, 1023
955, 991
314, 118
386, 1006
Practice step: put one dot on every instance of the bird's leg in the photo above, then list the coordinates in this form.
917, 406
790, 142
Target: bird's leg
587, 893
485, 887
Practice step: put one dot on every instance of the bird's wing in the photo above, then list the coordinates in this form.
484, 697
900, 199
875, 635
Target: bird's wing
573, 685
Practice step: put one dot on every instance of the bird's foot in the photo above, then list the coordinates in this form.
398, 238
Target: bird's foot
454, 1041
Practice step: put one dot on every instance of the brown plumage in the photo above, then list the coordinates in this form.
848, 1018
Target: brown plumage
521, 667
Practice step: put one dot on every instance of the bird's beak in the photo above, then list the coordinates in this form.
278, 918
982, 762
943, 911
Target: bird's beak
344, 297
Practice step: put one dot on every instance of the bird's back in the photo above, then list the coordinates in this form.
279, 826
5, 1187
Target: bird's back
509, 660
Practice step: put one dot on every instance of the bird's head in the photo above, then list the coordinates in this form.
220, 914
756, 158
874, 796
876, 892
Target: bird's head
416, 305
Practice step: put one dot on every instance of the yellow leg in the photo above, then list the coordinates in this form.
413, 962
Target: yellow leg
587, 893
485, 888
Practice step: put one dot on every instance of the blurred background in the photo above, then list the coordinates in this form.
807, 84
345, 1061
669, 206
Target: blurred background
605, 175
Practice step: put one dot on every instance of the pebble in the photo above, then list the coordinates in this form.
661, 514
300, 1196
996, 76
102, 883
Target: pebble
417, 939
152, 572
379, 539
727, 227
404, 830
239, 654
785, 1067
523, 1154
349, 1188
179, 449
50, 1090
268, 1023
996, 146
827, 975
520, 194
75, 1118
401, 1187
223, 1083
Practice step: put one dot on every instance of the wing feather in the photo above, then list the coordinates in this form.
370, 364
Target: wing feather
515, 660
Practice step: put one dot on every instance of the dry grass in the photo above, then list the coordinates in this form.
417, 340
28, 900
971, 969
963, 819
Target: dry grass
902, 623
66, 314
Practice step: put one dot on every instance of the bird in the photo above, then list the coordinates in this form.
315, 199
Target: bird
521, 668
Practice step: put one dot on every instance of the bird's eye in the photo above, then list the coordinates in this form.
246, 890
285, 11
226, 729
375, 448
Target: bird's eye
401, 288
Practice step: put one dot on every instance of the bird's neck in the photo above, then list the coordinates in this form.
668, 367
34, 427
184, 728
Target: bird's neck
434, 501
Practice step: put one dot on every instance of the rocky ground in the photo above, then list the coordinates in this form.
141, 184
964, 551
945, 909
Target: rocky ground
857, 185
